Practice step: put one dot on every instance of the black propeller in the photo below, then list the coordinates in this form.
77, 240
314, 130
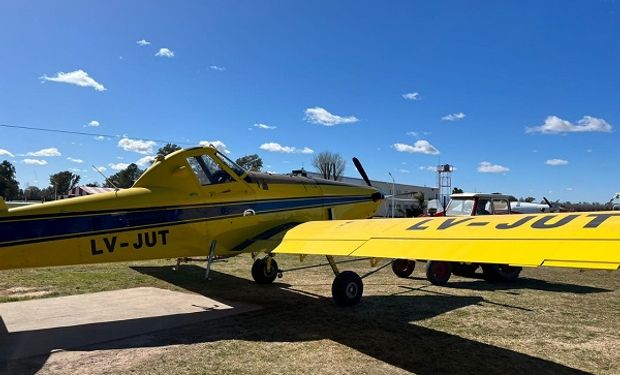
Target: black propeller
361, 171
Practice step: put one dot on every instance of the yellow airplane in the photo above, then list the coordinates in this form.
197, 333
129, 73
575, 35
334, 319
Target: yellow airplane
198, 202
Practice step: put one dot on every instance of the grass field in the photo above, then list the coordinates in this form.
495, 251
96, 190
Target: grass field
550, 322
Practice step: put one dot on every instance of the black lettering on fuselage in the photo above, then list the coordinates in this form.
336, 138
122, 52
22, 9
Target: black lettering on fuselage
542, 222
93, 248
516, 224
452, 222
110, 244
150, 239
138, 245
598, 220
419, 225
163, 234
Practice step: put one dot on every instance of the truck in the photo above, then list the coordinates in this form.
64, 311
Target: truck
472, 204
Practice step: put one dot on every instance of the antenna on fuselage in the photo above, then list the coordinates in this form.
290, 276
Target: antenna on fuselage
104, 176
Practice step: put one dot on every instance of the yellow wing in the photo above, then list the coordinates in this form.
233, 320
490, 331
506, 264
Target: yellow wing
577, 240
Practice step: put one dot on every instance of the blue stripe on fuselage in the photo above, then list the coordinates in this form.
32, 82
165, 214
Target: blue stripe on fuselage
79, 224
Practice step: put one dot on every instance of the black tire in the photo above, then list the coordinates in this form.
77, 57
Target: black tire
403, 267
465, 269
438, 273
347, 288
501, 273
260, 274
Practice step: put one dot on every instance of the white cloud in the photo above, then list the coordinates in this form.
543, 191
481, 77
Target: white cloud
76, 77
143, 42
217, 144
264, 126
118, 166
46, 152
145, 161
569, 189
428, 168
556, 162
318, 115
218, 68
101, 169
75, 160
412, 96
165, 52
421, 147
5, 152
413, 134
403, 170
276, 147
35, 162
454, 117
100, 138
487, 167
556, 125
94, 124
137, 145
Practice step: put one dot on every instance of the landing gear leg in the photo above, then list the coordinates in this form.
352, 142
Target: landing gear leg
347, 288
210, 259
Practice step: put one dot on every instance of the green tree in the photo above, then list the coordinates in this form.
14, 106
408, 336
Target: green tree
33, 193
62, 182
9, 187
457, 190
125, 178
252, 162
530, 199
169, 148
329, 164
93, 184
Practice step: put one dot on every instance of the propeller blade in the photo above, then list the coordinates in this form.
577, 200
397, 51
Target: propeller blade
548, 203
361, 171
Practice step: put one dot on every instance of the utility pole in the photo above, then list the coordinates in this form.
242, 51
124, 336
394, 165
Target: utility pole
393, 182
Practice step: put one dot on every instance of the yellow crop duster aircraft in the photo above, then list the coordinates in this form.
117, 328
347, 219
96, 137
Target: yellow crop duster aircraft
198, 202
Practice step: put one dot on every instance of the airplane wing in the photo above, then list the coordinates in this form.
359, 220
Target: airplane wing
575, 240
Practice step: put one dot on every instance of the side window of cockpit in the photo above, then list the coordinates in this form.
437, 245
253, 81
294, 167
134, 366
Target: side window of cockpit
208, 171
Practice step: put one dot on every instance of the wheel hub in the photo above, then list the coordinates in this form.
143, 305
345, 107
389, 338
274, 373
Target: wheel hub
351, 290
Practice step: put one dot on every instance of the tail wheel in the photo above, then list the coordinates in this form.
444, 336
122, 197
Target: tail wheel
347, 288
502, 273
438, 273
260, 273
403, 267
465, 269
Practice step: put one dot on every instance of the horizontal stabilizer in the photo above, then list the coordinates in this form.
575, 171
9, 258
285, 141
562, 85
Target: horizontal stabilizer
575, 240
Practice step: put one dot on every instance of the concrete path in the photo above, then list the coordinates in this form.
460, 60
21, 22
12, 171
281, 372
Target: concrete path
37, 327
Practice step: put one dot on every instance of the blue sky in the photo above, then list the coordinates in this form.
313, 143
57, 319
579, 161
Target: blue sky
522, 97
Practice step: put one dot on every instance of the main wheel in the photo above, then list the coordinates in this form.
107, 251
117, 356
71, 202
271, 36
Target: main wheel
260, 273
465, 269
438, 273
347, 288
502, 273
403, 267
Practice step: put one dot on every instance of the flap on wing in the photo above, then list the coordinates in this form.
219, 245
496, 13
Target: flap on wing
590, 240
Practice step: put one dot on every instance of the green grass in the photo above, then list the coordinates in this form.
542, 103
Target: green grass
551, 321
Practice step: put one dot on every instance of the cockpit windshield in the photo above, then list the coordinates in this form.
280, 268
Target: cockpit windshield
232, 165
208, 171
460, 207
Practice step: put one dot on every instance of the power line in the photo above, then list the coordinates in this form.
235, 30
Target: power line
87, 134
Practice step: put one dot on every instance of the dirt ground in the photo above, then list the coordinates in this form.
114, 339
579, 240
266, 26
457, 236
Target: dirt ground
552, 321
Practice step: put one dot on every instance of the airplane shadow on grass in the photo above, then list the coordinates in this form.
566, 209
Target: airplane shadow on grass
379, 327
525, 283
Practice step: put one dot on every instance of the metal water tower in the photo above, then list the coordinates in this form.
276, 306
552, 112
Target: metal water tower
444, 183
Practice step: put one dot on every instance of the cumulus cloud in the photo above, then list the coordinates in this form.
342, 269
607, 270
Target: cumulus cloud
413, 134
99, 138
4, 152
143, 42
419, 147
118, 166
46, 152
321, 116
412, 96
218, 68
76, 77
487, 167
264, 126
94, 124
145, 161
217, 144
556, 162
428, 168
454, 117
35, 162
276, 147
79, 161
137, 145
556, 125
165, 52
